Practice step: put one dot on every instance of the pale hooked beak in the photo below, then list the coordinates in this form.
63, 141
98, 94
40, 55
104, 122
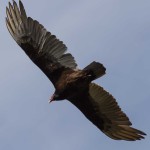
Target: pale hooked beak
51, 99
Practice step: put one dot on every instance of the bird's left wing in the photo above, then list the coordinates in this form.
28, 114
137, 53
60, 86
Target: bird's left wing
43, 48
102, 110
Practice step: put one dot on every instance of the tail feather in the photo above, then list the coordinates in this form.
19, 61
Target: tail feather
95, 69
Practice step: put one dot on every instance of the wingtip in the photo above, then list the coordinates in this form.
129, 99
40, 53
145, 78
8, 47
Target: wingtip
143, 133
9, 3
7, 11
22, 9
20, 3
6, 8
14, 3
6, 20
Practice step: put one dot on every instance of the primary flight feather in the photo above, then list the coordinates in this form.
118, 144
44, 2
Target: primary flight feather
49, 54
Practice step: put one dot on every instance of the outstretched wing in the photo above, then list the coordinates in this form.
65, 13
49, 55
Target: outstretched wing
43, 48
102, 110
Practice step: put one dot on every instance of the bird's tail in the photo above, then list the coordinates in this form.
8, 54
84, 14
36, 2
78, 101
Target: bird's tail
95, 69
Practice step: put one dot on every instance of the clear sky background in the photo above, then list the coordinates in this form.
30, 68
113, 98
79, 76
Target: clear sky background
113, 32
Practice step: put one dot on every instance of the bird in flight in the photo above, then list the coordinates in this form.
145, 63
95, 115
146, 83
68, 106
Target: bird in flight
71, 83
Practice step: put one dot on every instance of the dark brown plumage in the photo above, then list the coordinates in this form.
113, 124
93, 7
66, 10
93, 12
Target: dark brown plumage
48, 53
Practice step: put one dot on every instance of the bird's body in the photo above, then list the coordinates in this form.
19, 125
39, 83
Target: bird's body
70, 83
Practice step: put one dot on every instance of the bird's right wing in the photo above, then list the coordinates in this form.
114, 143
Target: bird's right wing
102, 110
43, 48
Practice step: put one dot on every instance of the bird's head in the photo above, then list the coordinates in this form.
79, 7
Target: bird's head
57, 96
54, 97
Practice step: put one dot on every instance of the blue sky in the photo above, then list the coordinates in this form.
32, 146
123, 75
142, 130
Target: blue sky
113, 32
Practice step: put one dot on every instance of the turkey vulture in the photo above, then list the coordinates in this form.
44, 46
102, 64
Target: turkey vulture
75, 85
